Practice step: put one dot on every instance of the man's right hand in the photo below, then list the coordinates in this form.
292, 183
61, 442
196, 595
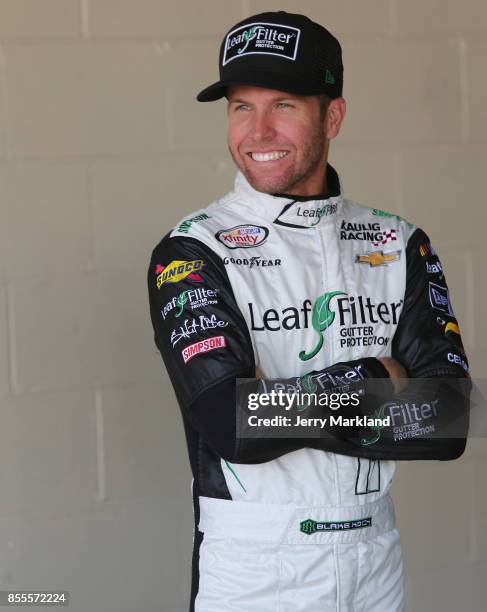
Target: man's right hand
259, 373
396, 372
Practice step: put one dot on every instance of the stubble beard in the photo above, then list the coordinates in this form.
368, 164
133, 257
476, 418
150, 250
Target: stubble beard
292, 177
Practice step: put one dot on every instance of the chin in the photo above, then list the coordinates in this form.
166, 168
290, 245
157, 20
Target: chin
267, 184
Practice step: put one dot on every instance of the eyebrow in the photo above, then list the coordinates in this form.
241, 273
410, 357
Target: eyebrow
279, 99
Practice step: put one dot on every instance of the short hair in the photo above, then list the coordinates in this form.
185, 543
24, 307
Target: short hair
324, 103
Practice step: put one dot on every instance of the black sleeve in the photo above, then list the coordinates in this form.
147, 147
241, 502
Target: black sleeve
205, 344
430, 418
428, 343
198, 327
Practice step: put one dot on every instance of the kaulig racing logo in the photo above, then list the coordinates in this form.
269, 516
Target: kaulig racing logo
355, 316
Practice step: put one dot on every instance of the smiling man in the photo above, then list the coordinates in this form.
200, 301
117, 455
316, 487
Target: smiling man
285, 277
277, 139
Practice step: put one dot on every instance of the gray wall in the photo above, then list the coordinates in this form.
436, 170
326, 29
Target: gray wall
102, 150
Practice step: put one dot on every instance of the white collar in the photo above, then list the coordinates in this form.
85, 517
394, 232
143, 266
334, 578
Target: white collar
289, 210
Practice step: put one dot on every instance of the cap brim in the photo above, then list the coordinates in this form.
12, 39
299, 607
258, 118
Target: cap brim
270, 80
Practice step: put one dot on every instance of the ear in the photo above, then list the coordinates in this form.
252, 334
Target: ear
335, 115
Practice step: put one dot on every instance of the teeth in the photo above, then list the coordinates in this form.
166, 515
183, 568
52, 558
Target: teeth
273, 155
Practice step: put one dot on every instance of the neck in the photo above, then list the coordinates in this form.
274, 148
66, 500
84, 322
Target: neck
316, 182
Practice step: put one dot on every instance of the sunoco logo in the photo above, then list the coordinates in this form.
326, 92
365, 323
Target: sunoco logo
262, 38
178, 270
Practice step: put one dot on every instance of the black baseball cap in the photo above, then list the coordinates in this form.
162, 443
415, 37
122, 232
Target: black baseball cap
279, 50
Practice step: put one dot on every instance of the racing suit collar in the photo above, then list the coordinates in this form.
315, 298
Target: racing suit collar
292, 210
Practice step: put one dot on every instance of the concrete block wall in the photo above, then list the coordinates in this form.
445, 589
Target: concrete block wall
102, 149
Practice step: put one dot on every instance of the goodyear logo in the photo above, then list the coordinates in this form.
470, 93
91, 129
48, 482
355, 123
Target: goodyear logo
378, 258
178, 270
309, 526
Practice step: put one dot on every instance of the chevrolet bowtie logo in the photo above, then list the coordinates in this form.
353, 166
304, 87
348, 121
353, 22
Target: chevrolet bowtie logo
378, 258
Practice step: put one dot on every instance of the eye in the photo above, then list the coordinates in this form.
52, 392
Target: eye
241, 107
284, 105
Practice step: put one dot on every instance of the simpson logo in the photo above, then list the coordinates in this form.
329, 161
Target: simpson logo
203, 346
242, 236
261, 38
178, 270
185, 226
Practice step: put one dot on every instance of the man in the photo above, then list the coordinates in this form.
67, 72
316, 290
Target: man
281, 278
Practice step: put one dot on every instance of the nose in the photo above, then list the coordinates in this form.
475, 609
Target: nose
262, 126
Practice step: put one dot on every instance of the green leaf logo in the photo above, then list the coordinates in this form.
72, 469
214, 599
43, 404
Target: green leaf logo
247, 36
181, 301
378, 414
308, 385
321, 318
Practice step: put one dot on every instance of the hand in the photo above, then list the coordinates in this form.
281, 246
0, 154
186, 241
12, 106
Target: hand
259, 373
396, 372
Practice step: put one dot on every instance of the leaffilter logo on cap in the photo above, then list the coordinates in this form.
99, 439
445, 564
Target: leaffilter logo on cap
263, 38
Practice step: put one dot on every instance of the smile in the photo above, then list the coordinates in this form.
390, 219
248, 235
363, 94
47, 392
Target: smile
265, 157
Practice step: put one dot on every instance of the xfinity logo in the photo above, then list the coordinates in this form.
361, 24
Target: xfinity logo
261, 38
242, 236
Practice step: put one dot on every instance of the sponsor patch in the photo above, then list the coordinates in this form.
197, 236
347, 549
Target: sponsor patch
309, 526
192, 298
261, 38
356, 317
452, 328
251, 262
242, 236
387, 236
203, 346
178, 270
426, 250
185, 226
372, 232
189, 327
412, 419
439, 298
379, 258
453, 358
434, 268
317, 213
382, 213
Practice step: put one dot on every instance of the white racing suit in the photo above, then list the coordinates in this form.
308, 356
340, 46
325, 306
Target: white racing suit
293, 285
